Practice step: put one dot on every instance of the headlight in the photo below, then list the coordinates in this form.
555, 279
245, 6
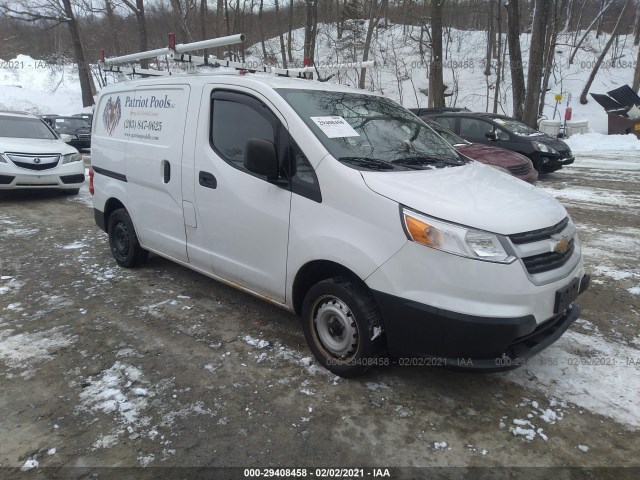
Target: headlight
72, 157
2, 159
455, 239
545, 148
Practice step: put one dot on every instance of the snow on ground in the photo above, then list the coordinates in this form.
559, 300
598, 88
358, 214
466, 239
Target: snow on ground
22, 350
589, 371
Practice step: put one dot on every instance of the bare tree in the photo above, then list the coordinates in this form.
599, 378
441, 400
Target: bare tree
111, 19
310, 28
596, 67
536, 57
603, 8
283, 51
374, 18
636, 75
138, 11
436, 82
56, 12
515, 56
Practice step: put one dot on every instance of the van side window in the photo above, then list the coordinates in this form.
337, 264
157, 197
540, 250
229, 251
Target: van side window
233, 123
304, 181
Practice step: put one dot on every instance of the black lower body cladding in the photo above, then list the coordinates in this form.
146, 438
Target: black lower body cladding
467, 341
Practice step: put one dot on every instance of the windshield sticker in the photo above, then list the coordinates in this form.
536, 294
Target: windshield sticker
335, 127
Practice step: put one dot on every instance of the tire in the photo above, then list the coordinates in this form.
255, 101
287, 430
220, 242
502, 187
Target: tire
123, 240
71, 191
338, 320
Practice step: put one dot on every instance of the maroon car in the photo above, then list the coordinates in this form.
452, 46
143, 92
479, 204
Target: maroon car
517, 165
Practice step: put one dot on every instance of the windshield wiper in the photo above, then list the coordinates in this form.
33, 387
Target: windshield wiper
369, 163
429, 161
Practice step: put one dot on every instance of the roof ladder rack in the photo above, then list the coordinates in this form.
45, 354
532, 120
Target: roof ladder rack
178, 53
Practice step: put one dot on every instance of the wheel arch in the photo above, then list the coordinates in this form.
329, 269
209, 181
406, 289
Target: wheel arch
313, 272
111, 206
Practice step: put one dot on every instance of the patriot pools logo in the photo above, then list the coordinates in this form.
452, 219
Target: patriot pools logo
112, 114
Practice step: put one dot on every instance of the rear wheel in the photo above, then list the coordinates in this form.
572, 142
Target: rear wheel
123, 240
339, 319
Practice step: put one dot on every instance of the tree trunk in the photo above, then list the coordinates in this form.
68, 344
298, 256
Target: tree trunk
283, 51
261, 28
142, 31
490, 34
536, 57
596, 67
549, 56
515, 56
496, 93
373, 21
84, 75
311, 24
289, 54
436, 83
112, 27
636, 75
203, 24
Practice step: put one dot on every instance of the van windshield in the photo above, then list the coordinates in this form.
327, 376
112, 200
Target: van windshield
369, 132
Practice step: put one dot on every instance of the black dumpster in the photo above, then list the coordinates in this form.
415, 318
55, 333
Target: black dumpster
621, 106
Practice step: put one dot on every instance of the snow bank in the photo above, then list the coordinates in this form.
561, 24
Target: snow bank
38, 87
597, 142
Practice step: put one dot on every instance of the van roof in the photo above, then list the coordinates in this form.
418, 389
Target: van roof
233, 77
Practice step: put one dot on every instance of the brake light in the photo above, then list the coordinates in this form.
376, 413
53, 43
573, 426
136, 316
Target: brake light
91, 189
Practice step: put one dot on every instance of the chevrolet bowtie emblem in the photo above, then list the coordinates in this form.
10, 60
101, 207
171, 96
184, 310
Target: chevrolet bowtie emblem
561, 245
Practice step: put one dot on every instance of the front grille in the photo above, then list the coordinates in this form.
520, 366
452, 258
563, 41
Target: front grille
34, 161
520, 169
541, 234
35, 166
84, 136
548, 261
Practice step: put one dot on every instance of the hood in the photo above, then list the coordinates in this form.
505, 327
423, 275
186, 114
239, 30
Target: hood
30, 145
552, 142
473, 195
492, 155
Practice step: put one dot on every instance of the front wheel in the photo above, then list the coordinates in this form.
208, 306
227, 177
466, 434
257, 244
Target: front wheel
342, 323
123, 240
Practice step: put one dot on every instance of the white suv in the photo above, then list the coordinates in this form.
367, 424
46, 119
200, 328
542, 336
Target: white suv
33, 156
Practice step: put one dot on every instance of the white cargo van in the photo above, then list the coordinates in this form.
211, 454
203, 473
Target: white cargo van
342, 207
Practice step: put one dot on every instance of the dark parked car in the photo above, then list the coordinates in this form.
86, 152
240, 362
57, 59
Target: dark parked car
517, 165
78, 128
547, 153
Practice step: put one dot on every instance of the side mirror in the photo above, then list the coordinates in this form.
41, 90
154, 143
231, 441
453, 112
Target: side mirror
260, 157
65, 138
493, 136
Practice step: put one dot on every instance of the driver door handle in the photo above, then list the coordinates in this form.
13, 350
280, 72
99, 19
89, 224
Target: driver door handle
207, 180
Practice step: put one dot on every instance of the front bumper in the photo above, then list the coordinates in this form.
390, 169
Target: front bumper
550, 162
465, 341
67, 176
